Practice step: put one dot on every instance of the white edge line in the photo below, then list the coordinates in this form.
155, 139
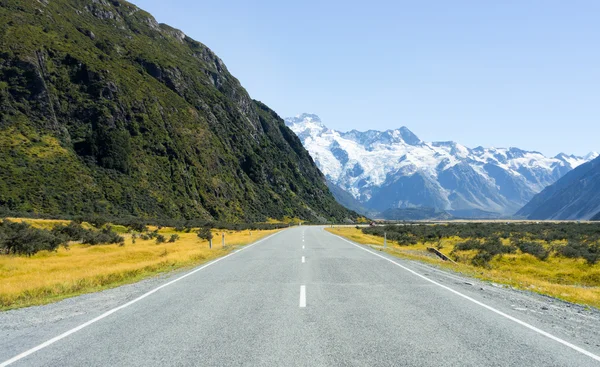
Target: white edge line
110, 312
514, 319
302, 296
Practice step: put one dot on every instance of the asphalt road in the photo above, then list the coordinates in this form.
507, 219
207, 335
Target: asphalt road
302, 297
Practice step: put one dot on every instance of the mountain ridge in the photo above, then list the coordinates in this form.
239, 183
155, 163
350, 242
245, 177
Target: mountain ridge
106, 111
396, 169
575, 196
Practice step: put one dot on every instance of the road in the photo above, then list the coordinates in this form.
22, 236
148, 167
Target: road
302, 297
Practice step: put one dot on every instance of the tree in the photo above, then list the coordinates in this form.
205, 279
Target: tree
205, 234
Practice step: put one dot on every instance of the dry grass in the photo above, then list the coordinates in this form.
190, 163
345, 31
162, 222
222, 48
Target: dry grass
51, 276
568, 279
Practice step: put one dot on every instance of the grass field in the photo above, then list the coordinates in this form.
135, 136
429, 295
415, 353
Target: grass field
569, 279
50, 276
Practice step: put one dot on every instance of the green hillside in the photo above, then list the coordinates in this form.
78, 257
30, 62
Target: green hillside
103, 110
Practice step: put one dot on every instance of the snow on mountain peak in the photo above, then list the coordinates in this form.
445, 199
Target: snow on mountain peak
382, 168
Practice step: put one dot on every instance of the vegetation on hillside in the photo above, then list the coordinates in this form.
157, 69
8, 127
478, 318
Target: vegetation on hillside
105, 111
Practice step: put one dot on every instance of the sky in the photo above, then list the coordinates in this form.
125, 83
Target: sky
520, 73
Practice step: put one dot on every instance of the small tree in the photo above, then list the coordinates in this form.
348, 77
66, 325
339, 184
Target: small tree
205, 234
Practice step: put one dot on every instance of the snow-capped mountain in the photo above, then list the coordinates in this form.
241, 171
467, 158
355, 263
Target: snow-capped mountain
396, 169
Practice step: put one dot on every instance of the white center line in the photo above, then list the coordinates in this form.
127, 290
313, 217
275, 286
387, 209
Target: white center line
303, 260
303, 247
302, 296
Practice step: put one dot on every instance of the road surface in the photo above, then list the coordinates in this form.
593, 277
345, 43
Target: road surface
302, 297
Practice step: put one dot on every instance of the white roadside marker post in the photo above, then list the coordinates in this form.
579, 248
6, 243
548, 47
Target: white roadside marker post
223, 240
384, 240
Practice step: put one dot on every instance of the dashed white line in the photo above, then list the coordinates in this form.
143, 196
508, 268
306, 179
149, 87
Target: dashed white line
514, 319
110, 312
303, 260
302, 296
303, 247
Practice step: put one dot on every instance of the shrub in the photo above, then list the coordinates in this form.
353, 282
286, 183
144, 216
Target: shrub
160, 239
103, 236
22, 239
533, 248
144, 237
137, 226
97, 221
153, 234
573, 250
72, 232
205, 234
173, 238
470, 244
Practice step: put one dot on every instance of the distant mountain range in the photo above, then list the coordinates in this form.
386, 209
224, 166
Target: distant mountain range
574, 196
396, 169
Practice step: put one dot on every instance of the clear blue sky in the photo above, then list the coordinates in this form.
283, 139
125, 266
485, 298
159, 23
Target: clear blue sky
519, 73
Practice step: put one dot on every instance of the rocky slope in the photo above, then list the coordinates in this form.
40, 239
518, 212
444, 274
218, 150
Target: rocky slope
103, 110
574, 196
396, 169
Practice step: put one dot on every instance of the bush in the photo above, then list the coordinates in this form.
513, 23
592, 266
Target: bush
533, 248
470, 244
137, 226
153, 234
173, 238
160, 239
103, 236
22, 239
205, 234
72, 232
576, 249
97, 221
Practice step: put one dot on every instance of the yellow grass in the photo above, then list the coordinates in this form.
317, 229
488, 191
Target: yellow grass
568, 279
51, 276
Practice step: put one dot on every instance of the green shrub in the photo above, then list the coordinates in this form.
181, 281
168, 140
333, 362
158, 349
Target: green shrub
533, 248
173, 238
103, 236
205, 234
160, 239
72, 231
22, 239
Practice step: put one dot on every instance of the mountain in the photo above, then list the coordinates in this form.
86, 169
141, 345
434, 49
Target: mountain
574, 196
415, 214
396, 169
104, 110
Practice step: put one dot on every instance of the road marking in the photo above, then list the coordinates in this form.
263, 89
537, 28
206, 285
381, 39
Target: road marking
110, 312
302, 296
522, 323
303, 260
303, 247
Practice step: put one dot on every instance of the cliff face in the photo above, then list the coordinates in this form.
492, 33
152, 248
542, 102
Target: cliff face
103, 110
